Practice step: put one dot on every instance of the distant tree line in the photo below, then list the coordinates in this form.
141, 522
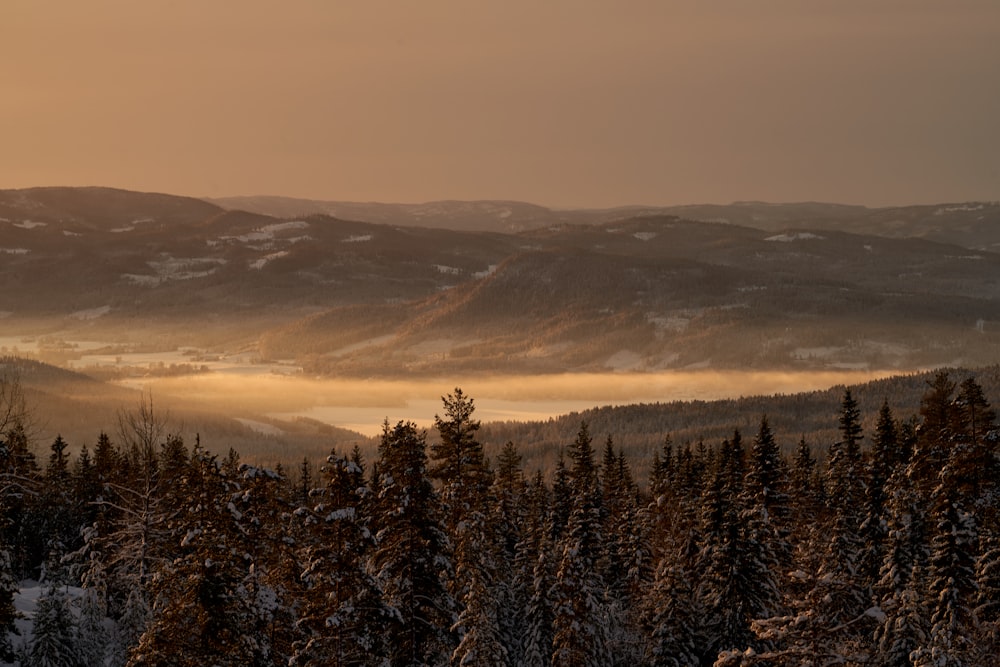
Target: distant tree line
735, 554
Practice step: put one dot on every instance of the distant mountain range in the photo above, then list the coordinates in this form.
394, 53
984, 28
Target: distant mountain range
364, 289
972, 224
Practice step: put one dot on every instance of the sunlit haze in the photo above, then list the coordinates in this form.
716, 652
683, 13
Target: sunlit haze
562, 103
363, 405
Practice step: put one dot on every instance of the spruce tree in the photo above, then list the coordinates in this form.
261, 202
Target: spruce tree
736, 584
509, 516
412, 560
54, 640
884, 459
199, 615
342, 608
458, 462
676, 635
766, 501
562, 500
260, 508
534, 575
579, 626
905, 628
845, 483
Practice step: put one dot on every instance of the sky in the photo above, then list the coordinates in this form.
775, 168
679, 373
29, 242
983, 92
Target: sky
565, 103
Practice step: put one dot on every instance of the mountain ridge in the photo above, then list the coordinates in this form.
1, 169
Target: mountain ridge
643, 293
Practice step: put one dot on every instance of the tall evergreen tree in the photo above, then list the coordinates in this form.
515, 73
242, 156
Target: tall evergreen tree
934, 434
509, 518
458, 462
412, 561
676, 636
767, 501
736, 583
343, 608
845, 483
562, 500
579, 627
534, 577
200, 616
885, 457
54, 639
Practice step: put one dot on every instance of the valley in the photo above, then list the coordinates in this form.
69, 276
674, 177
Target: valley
285, 332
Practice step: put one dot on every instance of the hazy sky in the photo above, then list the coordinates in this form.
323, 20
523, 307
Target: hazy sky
559, 102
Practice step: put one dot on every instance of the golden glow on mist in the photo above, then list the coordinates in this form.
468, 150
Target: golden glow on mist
362, 405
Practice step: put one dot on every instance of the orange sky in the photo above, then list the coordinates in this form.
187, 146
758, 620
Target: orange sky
559, 102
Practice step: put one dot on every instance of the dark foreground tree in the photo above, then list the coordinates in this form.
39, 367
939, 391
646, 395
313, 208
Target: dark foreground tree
412, 561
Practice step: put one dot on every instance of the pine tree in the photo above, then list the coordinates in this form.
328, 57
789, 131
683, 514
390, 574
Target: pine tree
618, 521
907, 537
934, 434
54, 641
736, 583
260, 508
625, 563
952, 584
199, 614
676, 635
974, 444
458, 462
343, 607
579, 627
988, 600
20, 475
412, 560
845, 482
767, 501
135, 618
92, 641
55, 512
562, 500
508, 518
884, 459
305, 485
905, 628
535, 573
8, 612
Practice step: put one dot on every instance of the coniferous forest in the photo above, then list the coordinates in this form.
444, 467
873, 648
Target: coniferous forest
881, 548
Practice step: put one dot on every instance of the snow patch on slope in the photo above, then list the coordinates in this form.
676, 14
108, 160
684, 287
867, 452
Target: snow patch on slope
282, 226
800, 236
268, 232
175, 268
263, 261
490, 270
961, 207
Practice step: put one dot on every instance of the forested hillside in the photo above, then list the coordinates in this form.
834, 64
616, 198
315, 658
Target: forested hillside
634, 289
152, 551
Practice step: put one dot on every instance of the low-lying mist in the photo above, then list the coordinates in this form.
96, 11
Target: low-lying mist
362, 405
